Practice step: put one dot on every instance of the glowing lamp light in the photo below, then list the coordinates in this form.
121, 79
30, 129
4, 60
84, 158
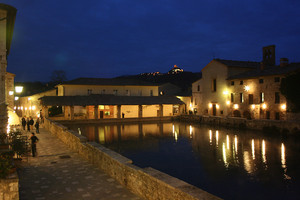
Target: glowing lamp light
29, 107
33, 107
217, 106
247, 88
29, 98
21, 107
11, 93
264, 106
25, 108
228, 102
236, 106
210, 105
225, 92
16, 98
191, 105
15, 107
253, 106
283, 107
19, 89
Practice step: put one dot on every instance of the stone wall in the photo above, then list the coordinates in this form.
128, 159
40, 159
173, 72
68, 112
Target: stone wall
145, 182
9, 187
236, 122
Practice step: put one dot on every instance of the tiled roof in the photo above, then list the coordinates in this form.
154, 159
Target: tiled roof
234, 63
96, 99
107, 81
268, 71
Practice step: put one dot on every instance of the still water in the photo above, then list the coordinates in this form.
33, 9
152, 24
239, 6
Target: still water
228, 163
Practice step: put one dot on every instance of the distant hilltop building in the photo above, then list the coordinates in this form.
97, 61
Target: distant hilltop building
175, 70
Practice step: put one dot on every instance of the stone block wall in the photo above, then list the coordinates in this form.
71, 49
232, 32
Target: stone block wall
9, 188
145, 182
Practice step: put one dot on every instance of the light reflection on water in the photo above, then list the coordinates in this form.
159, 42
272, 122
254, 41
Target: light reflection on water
230, 164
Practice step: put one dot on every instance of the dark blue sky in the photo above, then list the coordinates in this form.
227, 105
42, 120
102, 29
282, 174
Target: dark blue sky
108, 38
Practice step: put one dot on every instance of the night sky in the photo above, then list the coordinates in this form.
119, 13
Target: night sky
109, 38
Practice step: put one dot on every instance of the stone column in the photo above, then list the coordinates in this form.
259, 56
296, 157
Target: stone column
118, 111
96, 112
140, 111
45, 111
72, 112
161, 111
3, 105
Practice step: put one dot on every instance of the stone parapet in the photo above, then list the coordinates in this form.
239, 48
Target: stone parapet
145, 182
9, 187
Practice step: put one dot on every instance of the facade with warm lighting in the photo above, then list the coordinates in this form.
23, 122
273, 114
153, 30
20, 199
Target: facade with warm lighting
10, 89
7, 20
243, 89
211, 93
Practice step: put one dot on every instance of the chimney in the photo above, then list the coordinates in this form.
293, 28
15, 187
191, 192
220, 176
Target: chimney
269, 55
284, 62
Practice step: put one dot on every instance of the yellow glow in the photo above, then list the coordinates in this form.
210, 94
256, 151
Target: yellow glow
19, 89
224, 155
21, 107
253, 149
210, 137
16, 98
253, 106
236, 106
29, 98
227, 141
217, 106
29, 107
235, 144
228, 102
11, 93
33, 107
191, 131
263, 151
15, 107
191, 105
217, 138
283, 106
25, 108
247, 162
264, 106
210, 105
247, 88
173, 129
225, 92
101, 107
283, 161
175, 136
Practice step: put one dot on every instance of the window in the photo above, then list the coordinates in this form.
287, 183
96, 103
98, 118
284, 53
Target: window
198, 89
277, 116
103, 91
151, 92
232, 83
241, 82
89, 91
232, 97
277, 97
261, 80
140, 93
195, 101
262, 97
214, 85
127, 93
115, 92
241, 98
250, 98
277, 79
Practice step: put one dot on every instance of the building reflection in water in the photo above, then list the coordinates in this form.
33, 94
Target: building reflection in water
251, 153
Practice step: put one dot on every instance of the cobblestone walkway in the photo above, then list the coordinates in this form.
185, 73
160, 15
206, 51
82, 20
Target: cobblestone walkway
60, 174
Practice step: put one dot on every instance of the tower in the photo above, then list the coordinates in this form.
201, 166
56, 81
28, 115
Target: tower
7, 20
269, 55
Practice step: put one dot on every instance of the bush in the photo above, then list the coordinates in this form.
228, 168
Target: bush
6, 163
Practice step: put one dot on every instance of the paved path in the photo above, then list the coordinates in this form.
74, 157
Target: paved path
60, 174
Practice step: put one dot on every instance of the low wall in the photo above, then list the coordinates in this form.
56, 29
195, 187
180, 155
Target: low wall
145, 182
241, 122
9, 187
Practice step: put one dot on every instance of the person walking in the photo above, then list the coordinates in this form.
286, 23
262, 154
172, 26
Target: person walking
31, 122
23, 123
28, 124
37, 125
34, 140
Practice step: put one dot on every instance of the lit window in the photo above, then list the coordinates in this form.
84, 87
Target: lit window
262, 97
89, 91
241, 98
11, 93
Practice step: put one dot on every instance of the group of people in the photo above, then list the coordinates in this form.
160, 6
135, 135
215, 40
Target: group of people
29, 123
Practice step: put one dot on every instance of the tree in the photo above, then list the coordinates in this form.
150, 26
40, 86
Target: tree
290, 89
57, 77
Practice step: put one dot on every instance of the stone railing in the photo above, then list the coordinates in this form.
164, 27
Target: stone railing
237, 122
9, 187
145, 182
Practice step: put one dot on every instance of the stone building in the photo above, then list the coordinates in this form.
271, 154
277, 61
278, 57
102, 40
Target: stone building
10, 89
107, 98
242, 88
7, 20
